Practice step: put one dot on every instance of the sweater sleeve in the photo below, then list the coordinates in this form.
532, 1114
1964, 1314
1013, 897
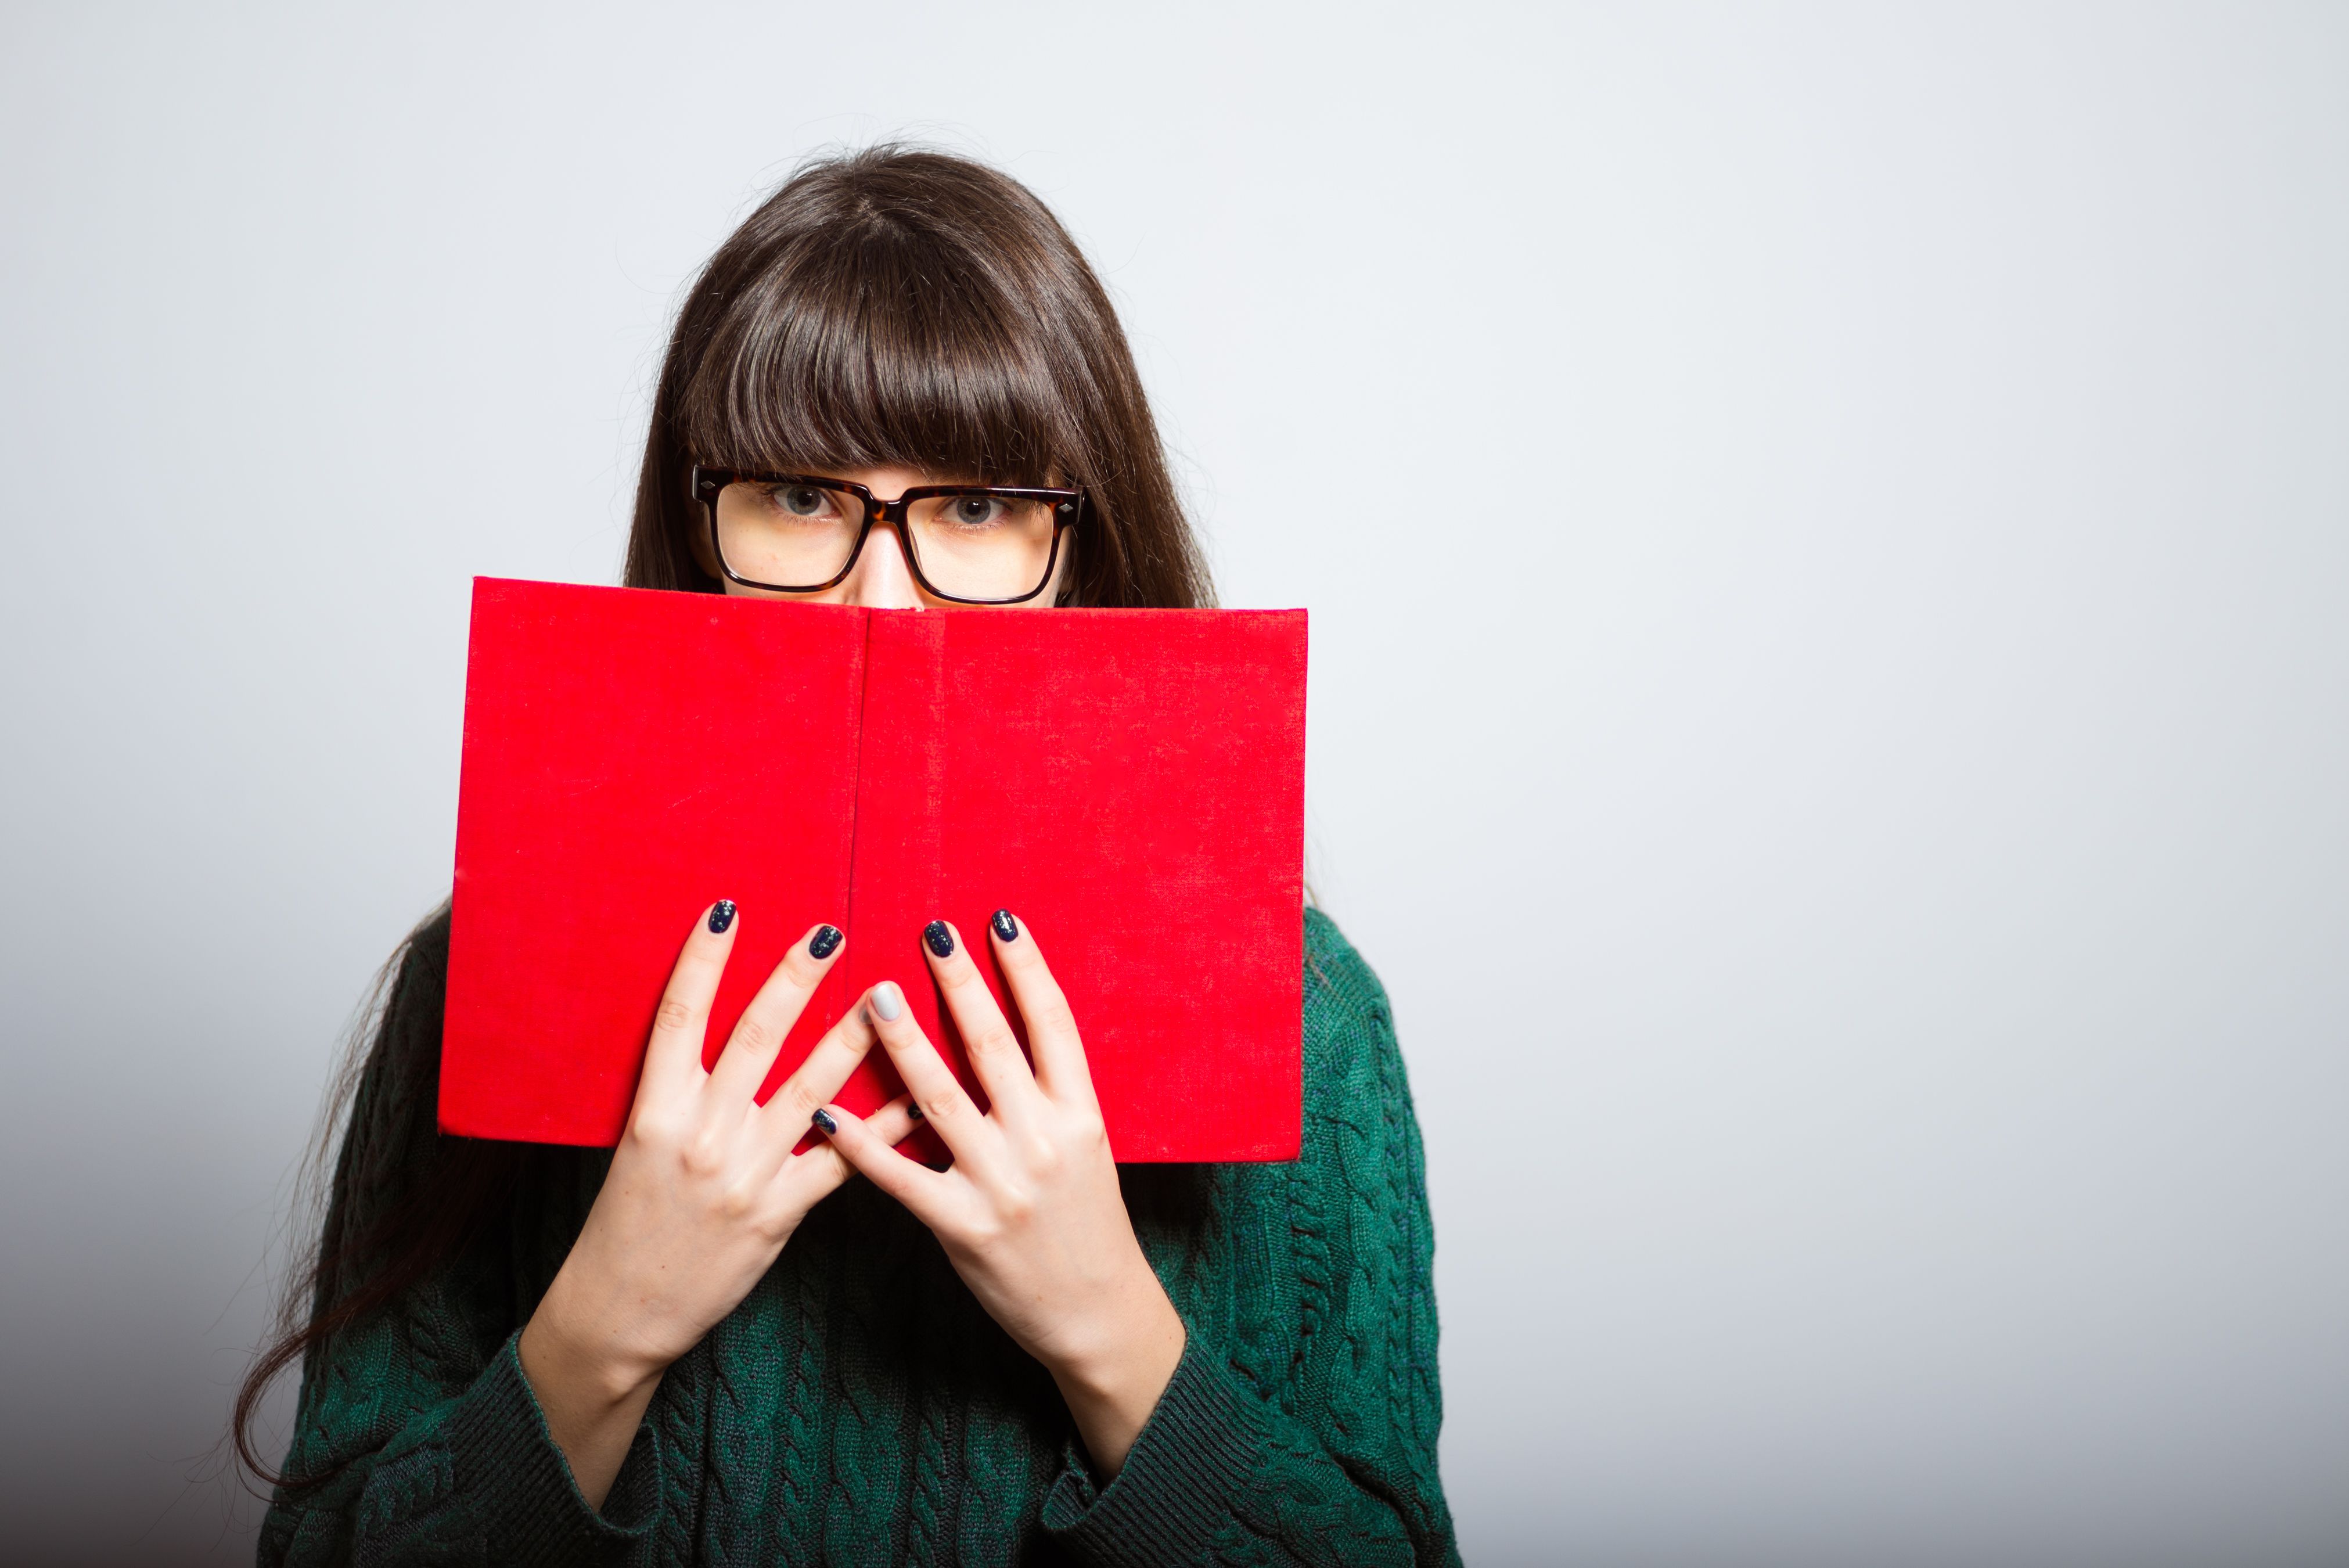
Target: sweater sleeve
1309, 1436
417, 1437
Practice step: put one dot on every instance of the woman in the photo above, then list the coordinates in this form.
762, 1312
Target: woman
702, 1347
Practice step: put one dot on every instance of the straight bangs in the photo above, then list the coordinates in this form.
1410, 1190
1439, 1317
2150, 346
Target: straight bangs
884, 344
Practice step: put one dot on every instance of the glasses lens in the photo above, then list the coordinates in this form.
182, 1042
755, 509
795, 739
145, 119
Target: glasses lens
787, 535
982, 545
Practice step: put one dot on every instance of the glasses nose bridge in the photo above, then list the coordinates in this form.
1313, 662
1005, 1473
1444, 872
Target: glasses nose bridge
883, 514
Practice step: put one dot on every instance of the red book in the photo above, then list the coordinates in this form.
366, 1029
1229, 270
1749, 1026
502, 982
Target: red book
1130, 784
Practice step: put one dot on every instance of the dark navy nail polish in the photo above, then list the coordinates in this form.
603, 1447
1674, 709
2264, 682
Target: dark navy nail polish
721, 915
825, 939
914, 1112
824, 1124
941, 939
1005, 926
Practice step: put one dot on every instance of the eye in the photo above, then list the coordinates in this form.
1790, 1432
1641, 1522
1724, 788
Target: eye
973, 511
801, 500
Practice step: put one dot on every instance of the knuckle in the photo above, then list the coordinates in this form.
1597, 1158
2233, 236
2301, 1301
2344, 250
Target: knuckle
1016, 1207
652, 1129
834, 1166
702, 1154
753, 1036
672, 1014
793, 1101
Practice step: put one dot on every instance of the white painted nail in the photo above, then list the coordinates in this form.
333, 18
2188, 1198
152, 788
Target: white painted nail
888, 1001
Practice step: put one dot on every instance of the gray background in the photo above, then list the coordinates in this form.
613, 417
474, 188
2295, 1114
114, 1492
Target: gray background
1827, 531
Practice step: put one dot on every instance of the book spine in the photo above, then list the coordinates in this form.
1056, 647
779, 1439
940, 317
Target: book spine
894, 879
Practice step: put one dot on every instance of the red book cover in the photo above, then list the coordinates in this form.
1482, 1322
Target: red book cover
1129, 782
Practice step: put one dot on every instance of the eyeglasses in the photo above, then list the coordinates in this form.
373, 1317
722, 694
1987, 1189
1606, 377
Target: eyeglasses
801, 532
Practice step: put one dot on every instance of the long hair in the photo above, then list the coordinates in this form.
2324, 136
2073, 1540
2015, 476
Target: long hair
891, 307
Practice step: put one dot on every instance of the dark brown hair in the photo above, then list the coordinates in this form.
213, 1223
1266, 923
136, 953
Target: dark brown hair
891, 307
913, 309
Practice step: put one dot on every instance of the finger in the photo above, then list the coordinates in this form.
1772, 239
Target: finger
1061, 1071
975, 1144
808, 1177
815, 1081
868, 1148
994, 1049
894, 1123
673, 1053
764, 1025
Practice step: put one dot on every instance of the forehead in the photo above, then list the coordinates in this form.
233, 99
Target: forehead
888, 480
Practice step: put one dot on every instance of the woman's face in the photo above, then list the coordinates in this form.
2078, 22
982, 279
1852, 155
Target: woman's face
880, 578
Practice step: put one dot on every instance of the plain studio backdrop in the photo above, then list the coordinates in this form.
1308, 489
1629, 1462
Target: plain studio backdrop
1828, 532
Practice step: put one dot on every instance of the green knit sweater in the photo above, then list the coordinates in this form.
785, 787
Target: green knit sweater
859, 1406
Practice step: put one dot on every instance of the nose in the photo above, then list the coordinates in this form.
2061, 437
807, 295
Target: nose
882, 579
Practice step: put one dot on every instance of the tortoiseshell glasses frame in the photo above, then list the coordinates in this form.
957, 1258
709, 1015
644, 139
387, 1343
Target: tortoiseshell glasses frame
1069, 508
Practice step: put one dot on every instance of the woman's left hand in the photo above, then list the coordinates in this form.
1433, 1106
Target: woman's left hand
1030, 1213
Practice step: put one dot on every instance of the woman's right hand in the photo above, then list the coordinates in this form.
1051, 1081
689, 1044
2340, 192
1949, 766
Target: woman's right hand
703, 1192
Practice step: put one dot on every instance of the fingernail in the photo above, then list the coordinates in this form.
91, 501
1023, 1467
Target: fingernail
822, 1119
721, 915
825, 939
888, 1001
914, 1112
1005, 926
941, 939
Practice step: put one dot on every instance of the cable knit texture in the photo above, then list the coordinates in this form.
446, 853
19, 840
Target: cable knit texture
860, 1407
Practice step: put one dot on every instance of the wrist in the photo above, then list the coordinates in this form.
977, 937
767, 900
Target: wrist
593, 1399
1114, 1386
1127, 1348
576, 1348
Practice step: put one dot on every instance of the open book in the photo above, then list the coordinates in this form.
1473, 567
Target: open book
1130, 784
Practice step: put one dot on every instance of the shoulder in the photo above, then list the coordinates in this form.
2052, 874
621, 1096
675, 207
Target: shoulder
422, 964
404, 1064
1339, 985
393, 1103
1349, 1025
